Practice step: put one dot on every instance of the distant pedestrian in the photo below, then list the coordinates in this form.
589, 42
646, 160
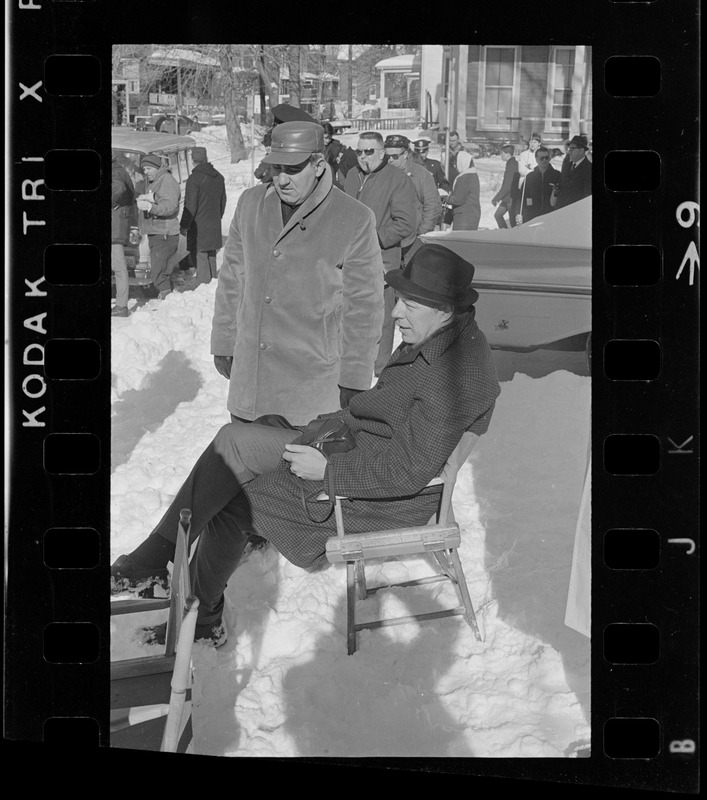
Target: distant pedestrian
429, 206
421, 151
465, 199
455, 147
122, 214
526, 160
338, 156
505, 197
391, 196
160, 207
576, 176
538, 188
204, 206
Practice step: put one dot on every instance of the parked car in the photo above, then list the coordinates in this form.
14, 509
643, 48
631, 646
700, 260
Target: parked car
339, 125
179, 124
534, 280
128, 146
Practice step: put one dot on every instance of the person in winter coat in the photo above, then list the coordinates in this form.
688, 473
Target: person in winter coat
526, 160
576, 175
505, 197
391, 196
455, 147
160, 209
538, 188
339, 157
299, 301
429, 206
465, 199
204, 205
438, 384
421, 150
122, 214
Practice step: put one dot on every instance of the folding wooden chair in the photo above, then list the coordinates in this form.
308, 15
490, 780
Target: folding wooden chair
441, 537
139, 679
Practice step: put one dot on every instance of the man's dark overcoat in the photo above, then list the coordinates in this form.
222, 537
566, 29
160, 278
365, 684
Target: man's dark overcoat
406, 428
204, 206
575, 184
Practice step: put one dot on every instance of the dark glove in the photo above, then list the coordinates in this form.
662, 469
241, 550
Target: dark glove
182, 231
223, 365
345, 395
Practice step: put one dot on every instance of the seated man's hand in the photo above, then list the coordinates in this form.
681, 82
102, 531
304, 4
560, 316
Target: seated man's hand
223, 365
305, 462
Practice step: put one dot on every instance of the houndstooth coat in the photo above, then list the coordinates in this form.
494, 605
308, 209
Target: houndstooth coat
406, 427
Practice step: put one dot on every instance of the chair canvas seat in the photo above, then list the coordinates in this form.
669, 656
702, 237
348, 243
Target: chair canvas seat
441, 537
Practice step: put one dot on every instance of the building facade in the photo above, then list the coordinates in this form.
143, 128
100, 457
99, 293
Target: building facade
510, 91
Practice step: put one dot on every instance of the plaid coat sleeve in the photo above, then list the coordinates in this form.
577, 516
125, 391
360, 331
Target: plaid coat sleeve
427, 401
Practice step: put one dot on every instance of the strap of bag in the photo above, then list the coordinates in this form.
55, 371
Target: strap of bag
329, 478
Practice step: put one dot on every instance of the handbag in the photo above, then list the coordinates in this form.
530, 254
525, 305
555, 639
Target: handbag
328, 435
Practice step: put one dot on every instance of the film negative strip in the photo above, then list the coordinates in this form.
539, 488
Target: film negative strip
644, 377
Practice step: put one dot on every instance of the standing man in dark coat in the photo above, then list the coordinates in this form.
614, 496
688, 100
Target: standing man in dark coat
204, 204
391, 195
538, 188
576, 178
421, 150
429, 206
122, 215
505, 196
438, 384
338, 156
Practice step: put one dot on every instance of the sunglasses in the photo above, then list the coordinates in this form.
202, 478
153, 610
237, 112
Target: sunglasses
542, 158
396, 156
289, 169
367, 152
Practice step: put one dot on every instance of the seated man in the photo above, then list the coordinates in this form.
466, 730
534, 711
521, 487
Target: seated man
440, 382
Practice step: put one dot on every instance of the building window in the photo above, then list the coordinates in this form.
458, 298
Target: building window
498, 90
560, 82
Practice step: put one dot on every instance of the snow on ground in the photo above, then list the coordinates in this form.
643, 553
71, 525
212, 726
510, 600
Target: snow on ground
283, 684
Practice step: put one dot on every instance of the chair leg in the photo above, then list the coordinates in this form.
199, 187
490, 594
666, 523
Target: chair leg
351, 607
464, 592
361, 589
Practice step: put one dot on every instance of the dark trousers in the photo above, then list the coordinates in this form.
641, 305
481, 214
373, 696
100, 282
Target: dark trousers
205, 266
238, 453
162, 248
500, 214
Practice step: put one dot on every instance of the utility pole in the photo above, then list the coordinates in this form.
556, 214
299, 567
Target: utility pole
350, 114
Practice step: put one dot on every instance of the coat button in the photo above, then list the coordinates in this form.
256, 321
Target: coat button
263, 346
267, 299
276, 253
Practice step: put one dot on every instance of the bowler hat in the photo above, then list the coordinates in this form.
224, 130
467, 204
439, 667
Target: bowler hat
579, 141
436, 275
287, 113
151, 160
293, 142
395, 140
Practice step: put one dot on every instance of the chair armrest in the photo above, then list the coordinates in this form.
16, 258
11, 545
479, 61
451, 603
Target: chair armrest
438, 481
